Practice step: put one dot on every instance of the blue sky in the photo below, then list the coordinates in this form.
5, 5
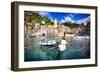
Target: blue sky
66, 17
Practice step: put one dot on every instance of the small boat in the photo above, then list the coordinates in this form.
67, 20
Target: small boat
36, 34
81, 37
63, 44
48, 43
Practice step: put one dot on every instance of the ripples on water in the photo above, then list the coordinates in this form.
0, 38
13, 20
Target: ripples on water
76, 49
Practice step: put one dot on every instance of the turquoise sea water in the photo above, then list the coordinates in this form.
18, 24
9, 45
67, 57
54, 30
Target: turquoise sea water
76, 49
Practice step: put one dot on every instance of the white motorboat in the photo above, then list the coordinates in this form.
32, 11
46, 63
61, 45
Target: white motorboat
47, 43
63, 44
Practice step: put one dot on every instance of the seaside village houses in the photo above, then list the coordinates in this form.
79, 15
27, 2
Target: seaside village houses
58, 30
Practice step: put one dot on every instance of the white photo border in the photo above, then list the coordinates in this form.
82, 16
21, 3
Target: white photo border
66, 9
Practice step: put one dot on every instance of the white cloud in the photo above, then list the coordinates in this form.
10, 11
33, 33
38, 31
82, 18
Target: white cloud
46, 14
51, 18
71, 15
67, 19
43, 13
62, 21
85, 20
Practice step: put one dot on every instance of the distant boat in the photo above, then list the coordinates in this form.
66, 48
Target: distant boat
81, 37
35, 34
